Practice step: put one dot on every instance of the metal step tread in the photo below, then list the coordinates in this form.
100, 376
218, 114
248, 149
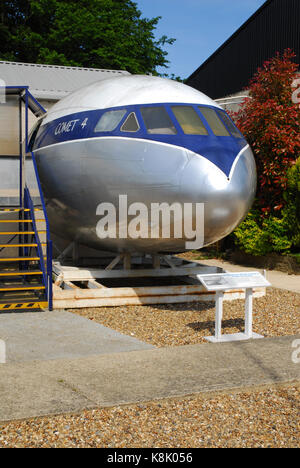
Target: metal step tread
22, 287
21, 273
21, 221
19, 233
22, 304
13, 210
15, 220
21, 259
25, 233
21, 245
18, 210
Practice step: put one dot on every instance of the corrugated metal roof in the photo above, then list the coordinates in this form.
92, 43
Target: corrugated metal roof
51, 81
273, 27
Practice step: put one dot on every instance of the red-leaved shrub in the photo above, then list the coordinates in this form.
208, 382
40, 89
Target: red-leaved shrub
270, 121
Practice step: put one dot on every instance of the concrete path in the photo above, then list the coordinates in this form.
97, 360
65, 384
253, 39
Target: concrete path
60, 335
36, 388
278, 279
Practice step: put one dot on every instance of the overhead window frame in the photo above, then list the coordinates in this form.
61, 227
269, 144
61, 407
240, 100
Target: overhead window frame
126, 118
33, 134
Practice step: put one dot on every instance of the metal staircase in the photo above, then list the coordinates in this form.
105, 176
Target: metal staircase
25, 244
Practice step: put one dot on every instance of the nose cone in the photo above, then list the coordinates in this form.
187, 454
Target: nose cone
227, 200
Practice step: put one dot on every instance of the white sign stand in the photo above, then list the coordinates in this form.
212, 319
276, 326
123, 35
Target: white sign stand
222, 282
248, 333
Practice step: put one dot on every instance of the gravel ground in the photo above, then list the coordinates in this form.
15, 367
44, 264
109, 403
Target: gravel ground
257, 418
276, 314
265, 418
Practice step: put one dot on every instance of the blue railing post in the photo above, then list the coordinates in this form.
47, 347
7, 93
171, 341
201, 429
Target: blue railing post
39, 246
47, 272
48, 283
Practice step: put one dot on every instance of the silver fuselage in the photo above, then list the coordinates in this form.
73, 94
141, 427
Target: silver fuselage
80, 172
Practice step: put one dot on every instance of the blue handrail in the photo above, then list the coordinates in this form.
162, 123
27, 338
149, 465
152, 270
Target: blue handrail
48, 277
28, 203
47, 272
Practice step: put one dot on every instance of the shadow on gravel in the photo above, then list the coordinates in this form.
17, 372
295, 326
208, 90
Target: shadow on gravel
210, 325
184, 306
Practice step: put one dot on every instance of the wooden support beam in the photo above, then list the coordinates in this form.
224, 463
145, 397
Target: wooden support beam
114, 262
156, 261
84, 274
127, 261
93, 284
69, 285
94, 294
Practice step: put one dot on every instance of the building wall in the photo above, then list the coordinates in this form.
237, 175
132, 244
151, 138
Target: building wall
9, 151
9, 127
9, 124
274, 27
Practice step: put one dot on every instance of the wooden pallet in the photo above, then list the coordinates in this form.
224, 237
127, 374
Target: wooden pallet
89, 287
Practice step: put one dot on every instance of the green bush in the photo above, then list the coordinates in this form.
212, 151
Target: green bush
291, 211
260, 237
257, 235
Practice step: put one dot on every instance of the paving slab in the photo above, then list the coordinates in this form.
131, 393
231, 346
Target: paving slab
37, 388
60, 335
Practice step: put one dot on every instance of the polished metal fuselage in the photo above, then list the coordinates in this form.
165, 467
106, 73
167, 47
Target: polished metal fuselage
78, 176
80, 168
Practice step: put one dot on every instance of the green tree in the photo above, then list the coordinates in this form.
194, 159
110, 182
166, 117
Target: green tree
87, 33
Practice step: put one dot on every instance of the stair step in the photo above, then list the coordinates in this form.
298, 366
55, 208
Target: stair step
14, 210
21, 221
13, 304
20, 259
2, 246
16, 220
17, 210
19, 233
25, 233
23, 287
21, 273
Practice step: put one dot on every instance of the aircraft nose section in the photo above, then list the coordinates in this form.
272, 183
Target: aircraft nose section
226, 200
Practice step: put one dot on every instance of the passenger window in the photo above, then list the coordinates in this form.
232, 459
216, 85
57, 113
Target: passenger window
232, 128
189, 120
131, 124
110, 120
157, 121
214, 121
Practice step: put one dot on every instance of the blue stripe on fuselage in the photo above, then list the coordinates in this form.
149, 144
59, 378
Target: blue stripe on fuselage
221, 151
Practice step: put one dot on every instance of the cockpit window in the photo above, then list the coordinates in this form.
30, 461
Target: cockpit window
33, 134
110, 120
214, 121
157, 121
189, 120
131, 124
230, 125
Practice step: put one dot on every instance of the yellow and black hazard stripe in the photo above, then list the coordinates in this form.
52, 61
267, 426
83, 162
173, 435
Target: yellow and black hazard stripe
24, 305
